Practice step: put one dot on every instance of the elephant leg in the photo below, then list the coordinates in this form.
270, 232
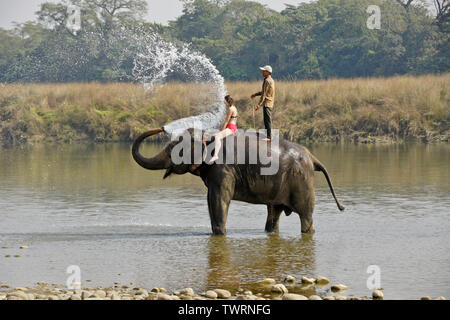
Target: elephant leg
307, 225
305, 211
273, 218
218, 202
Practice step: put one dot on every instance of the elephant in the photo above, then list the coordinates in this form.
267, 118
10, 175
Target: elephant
290, 189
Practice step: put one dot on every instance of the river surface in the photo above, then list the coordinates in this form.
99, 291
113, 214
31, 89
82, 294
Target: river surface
93, 207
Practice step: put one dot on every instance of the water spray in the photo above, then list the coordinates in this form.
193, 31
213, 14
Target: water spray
158, 59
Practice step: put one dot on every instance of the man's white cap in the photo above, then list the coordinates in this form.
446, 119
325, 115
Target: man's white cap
266, 68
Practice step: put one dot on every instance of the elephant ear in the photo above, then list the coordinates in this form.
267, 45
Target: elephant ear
194, 169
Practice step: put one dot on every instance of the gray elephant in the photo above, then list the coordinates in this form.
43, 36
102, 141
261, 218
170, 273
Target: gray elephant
290, 189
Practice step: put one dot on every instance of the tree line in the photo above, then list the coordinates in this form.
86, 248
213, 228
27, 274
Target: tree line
316, 40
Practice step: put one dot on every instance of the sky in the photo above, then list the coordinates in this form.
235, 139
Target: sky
159, 11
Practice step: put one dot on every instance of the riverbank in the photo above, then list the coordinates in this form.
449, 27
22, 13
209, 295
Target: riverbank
359, 110
269, 290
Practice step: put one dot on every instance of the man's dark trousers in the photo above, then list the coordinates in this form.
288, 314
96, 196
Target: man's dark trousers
268, 121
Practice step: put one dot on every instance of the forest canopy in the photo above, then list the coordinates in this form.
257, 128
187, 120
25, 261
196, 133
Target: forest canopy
316, 40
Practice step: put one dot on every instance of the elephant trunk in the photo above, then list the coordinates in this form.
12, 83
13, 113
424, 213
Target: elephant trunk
160, 161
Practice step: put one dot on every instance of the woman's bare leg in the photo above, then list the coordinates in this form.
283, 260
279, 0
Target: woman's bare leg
218, 142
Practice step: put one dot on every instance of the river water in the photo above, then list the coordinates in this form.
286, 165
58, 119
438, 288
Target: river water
92, 206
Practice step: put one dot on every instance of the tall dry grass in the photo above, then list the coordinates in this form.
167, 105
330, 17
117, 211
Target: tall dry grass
361, 109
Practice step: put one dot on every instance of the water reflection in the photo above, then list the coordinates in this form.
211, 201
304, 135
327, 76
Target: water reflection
241, 263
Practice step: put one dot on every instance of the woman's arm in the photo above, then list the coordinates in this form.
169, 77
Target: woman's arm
228, 120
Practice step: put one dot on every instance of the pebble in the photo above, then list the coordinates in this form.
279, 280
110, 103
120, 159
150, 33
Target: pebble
294, 296
45, 291
210, 294
115, 296
377, 294
19, 294
338, 287
440, 298
289, 279
279, 288
322, 280
306, 280
162, 296
21, 289
141, 292
222, 293
187, 292
246, 297
268, 282
100, 293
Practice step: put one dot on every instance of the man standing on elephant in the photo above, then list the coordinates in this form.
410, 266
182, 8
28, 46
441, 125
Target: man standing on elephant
267, 98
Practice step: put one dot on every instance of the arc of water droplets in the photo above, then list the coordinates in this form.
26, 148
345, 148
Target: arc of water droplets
157, 59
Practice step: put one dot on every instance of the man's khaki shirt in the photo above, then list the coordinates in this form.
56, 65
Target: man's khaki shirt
268, 93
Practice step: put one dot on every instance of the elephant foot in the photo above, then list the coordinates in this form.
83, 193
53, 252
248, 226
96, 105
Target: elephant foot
218, 232
310, 230
271, 230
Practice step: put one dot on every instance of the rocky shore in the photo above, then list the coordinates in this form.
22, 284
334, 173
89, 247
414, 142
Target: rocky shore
270, 290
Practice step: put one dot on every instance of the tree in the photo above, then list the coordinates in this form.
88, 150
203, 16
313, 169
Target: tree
442, 14
314, 40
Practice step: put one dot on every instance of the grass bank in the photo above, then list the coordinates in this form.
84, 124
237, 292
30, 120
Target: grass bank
361, 110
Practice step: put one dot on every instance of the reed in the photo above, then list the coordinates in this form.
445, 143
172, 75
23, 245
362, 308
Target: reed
363, 110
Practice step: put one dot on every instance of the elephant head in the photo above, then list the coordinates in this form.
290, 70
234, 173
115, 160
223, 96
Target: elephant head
163, 160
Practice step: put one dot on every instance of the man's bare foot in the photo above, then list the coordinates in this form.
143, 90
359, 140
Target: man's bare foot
267, 139
213, 159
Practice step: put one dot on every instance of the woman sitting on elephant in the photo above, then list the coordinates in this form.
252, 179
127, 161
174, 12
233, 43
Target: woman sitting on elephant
228, 128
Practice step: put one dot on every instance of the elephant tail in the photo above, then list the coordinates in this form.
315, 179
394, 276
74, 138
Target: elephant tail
318, 166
